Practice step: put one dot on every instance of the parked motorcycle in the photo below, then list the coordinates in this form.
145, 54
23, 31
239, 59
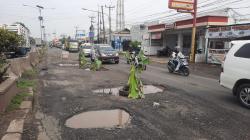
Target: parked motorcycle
184, 69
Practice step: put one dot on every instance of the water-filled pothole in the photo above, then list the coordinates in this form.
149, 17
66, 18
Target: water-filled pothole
147, 89
99, 119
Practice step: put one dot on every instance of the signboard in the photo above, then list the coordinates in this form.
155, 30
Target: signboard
235, 31
181, 4
169, 26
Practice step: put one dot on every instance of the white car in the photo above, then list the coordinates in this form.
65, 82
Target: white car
86, 48
235, 73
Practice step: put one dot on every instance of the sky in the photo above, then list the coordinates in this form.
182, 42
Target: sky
62, 16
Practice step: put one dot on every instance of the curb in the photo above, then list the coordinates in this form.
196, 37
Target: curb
15, 129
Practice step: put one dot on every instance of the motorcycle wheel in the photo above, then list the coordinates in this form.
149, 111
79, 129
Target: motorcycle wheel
185, 71
170, 70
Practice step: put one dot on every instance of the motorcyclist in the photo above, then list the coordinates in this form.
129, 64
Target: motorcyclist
177, 56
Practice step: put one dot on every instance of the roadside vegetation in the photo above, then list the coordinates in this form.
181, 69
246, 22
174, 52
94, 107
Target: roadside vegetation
27, 80
16, 101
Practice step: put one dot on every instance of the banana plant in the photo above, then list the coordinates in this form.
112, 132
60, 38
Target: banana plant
96, 65
82, 60
138, 65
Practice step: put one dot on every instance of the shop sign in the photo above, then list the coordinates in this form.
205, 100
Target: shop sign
235, 31
156, 36
181, 4
170, 26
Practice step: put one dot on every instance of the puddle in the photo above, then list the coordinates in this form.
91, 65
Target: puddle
99, 119
148, 89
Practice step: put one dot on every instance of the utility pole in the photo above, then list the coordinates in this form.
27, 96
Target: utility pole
110, 30
40, 20
98, 26
76, 27
192, 57
103, 24
91, 35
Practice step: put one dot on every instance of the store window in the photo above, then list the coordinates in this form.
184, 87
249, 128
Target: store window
243, 52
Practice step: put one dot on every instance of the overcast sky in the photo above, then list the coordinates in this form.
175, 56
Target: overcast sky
68, 14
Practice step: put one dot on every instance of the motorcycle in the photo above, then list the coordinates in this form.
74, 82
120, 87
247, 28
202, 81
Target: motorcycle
184, 69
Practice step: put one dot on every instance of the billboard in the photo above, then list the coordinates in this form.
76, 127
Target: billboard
181, 4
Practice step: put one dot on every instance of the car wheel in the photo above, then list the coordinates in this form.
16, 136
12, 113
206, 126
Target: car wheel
243, 95
117, 62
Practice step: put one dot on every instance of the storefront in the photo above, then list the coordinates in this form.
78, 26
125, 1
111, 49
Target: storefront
156, 35
219, 40
179, 34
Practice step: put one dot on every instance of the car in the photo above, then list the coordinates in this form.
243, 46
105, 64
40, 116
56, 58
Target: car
105, 53
235, 73
86, 48
73, 46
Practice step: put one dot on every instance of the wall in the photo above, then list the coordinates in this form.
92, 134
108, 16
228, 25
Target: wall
8, 88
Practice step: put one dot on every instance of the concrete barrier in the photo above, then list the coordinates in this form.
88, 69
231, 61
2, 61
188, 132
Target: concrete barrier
8, 88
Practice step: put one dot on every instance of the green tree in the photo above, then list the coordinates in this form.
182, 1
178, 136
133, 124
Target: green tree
10, 41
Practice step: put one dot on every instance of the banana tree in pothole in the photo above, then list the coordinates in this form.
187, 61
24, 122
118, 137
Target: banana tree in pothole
85, 64
138, 61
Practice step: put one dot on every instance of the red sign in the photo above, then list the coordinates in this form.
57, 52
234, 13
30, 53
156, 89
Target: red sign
181, 4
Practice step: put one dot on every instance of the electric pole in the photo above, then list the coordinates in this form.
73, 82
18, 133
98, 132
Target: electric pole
110, 30
103, 25
193, 48
91, 35
40, 20
98, 26
76, 27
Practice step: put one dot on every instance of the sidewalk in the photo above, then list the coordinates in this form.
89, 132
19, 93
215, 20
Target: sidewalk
201, 69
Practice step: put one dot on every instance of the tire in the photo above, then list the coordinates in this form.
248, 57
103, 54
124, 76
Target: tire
185, 71
243, 95
170, 70
117, 62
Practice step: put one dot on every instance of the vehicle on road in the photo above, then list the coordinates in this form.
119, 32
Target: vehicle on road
86, 49
104, 53
235, 73
73, 46
184, 69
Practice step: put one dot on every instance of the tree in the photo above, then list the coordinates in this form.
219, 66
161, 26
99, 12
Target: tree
10, 41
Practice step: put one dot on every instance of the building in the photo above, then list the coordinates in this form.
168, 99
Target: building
3, 26
140, 33
22, 30
219, 40
179, 33
120, 38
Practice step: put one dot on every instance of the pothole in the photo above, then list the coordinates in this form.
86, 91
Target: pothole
147, 89
99, 119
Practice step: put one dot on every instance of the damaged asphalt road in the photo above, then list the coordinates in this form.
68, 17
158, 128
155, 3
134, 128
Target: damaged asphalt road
189, 108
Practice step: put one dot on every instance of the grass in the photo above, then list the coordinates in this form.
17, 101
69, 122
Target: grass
16, 101
23, 83
29, 74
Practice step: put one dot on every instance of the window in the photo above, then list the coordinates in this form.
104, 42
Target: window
243, 52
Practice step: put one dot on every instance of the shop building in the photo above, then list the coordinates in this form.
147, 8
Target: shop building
219, 39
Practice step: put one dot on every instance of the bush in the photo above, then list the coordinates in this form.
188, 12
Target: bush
16, 101
30, 74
